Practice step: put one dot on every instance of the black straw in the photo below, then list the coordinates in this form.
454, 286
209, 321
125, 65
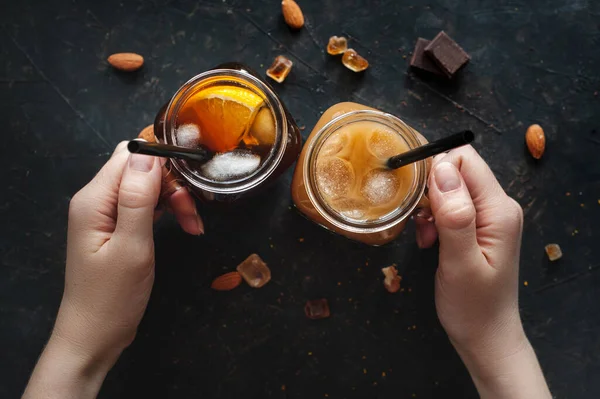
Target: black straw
170, 151
431, 149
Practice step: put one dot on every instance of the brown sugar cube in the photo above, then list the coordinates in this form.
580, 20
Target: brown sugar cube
447, 54
337, 45
553, 251
280, 68
254, 271
317, 309
354, 61
420, 60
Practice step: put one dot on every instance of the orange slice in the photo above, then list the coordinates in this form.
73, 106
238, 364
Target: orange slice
225, 113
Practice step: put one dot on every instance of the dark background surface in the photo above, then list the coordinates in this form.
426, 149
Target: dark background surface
63, 109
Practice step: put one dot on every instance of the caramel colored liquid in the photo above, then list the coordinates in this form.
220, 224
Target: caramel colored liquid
187, 115
226, 116
345, 163
351, 173
232, 121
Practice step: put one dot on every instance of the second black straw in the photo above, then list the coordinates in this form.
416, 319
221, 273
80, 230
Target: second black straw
431, 149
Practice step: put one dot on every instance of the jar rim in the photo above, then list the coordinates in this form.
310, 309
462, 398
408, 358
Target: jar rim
396, 216
267, 167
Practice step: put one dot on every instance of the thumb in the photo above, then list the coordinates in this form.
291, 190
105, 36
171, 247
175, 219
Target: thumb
454, 213
138, 195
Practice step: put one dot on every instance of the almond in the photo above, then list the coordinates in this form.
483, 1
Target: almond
148, 134
128, 62
536, 141
226, 282
292, 14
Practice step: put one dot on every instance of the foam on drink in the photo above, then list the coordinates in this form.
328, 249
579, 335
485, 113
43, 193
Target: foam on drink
350, 172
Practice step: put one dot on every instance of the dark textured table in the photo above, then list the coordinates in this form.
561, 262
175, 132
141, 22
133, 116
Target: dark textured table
63, 110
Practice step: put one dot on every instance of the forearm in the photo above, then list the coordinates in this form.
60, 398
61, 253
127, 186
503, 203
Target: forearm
62, 372
515, 376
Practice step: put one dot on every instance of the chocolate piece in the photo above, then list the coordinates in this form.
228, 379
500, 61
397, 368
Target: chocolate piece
422, 61
447, 54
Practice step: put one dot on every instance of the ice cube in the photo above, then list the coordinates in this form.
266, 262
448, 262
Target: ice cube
382, 144
263, 128
255, 271
380, 186
188, 136
335, 177
317, 309
334, 144
351, 208
231, 165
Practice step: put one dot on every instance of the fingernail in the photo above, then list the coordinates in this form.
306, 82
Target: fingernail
446, 177
199, 223
423, 214
142, 163
419, 240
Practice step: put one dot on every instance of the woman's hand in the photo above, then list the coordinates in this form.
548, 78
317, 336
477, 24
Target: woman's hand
109, 274
476, 288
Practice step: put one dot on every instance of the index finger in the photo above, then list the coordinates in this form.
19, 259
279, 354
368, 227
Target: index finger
498, 217
483, 186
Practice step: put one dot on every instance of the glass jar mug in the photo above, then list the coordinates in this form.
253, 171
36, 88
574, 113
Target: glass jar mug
341, 181
231, 111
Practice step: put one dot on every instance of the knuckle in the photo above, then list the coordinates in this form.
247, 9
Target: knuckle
147, 260
121, 146
513, 215
138, 264
140, 253
76, 204
456, 215
467, 150
438, 158
134, 194
467, 155
75, 199
143, 261
463, 150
